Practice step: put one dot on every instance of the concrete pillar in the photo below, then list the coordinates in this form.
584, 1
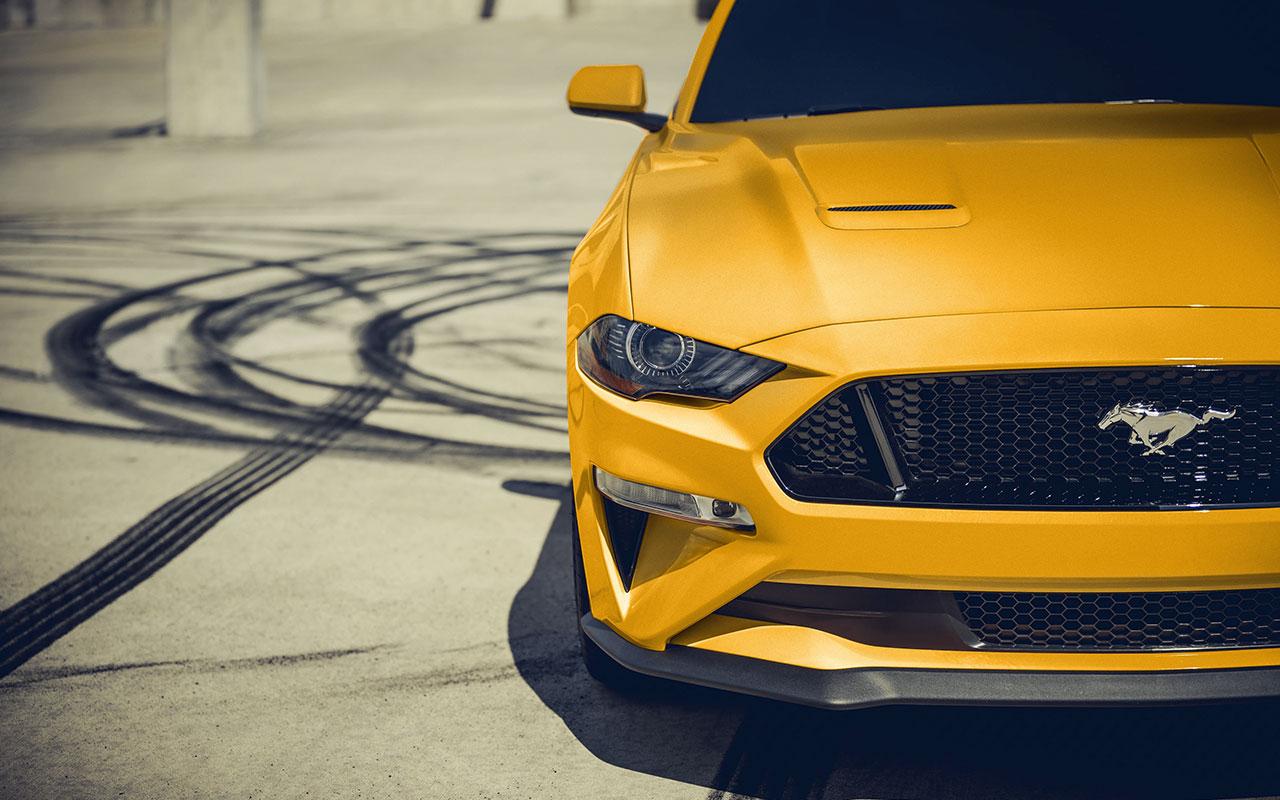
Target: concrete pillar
22, 13
216, 85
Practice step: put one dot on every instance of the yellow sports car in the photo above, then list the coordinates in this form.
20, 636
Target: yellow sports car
929, 352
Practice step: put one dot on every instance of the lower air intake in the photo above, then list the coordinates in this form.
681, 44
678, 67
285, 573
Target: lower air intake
1123, 621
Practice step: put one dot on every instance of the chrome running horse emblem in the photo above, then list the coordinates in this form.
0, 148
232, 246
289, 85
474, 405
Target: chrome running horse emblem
1157, 430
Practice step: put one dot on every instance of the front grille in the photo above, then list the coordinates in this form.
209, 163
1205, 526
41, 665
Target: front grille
1031, 439
1123, 621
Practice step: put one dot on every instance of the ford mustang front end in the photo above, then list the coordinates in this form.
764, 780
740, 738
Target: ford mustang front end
922, 356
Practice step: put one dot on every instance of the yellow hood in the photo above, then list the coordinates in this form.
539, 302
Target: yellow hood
1051, 207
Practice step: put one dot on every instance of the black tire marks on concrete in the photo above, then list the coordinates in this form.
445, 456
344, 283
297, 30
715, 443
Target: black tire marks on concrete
78, 351
221, 383
41, 618
33, 678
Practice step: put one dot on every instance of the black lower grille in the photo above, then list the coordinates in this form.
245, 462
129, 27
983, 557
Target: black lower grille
1182, 437
625, 527
1123, 621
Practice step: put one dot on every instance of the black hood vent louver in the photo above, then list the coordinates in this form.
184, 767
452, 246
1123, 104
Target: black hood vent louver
905, 207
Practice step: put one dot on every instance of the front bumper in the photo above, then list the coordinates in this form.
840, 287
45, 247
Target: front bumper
853, 688
685, 572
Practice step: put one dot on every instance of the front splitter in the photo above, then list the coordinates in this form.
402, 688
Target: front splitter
872, 686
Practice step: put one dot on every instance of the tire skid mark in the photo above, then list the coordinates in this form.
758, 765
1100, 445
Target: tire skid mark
203, 358
217, 332
84, 368
36, 677
78, 354
418, 385
213, 488
218, 329
61, 280
439, 452
24, 375
42, 618
48, 294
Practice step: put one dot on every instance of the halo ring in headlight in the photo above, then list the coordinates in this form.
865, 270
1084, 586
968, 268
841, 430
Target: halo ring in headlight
637, 360
653, 351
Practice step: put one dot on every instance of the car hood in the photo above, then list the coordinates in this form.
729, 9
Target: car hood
732, 237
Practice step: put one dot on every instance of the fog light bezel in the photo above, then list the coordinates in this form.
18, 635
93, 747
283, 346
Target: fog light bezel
684, 506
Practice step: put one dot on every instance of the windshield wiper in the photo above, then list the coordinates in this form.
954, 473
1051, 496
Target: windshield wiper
1139, 101
818, 111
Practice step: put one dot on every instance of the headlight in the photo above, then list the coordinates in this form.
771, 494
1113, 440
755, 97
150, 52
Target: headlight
639, 360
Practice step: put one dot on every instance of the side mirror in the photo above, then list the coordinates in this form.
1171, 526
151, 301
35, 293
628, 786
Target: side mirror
615, 92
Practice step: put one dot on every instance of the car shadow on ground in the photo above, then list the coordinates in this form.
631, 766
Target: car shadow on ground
740, 746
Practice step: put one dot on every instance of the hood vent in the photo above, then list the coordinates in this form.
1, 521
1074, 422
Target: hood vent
895, 216
915, 207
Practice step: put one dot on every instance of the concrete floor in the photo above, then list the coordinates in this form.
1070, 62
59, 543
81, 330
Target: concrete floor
294, 407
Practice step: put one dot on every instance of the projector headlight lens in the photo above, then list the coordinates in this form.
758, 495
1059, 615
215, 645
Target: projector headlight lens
639, 360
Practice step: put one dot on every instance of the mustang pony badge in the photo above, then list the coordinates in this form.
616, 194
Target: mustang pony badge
1157, 430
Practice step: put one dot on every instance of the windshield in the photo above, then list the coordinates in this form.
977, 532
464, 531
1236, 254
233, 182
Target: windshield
794, 57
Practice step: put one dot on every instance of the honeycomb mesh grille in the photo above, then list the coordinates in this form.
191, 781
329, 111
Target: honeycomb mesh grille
826, 453
1123, 621
826, 441
1031, 439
